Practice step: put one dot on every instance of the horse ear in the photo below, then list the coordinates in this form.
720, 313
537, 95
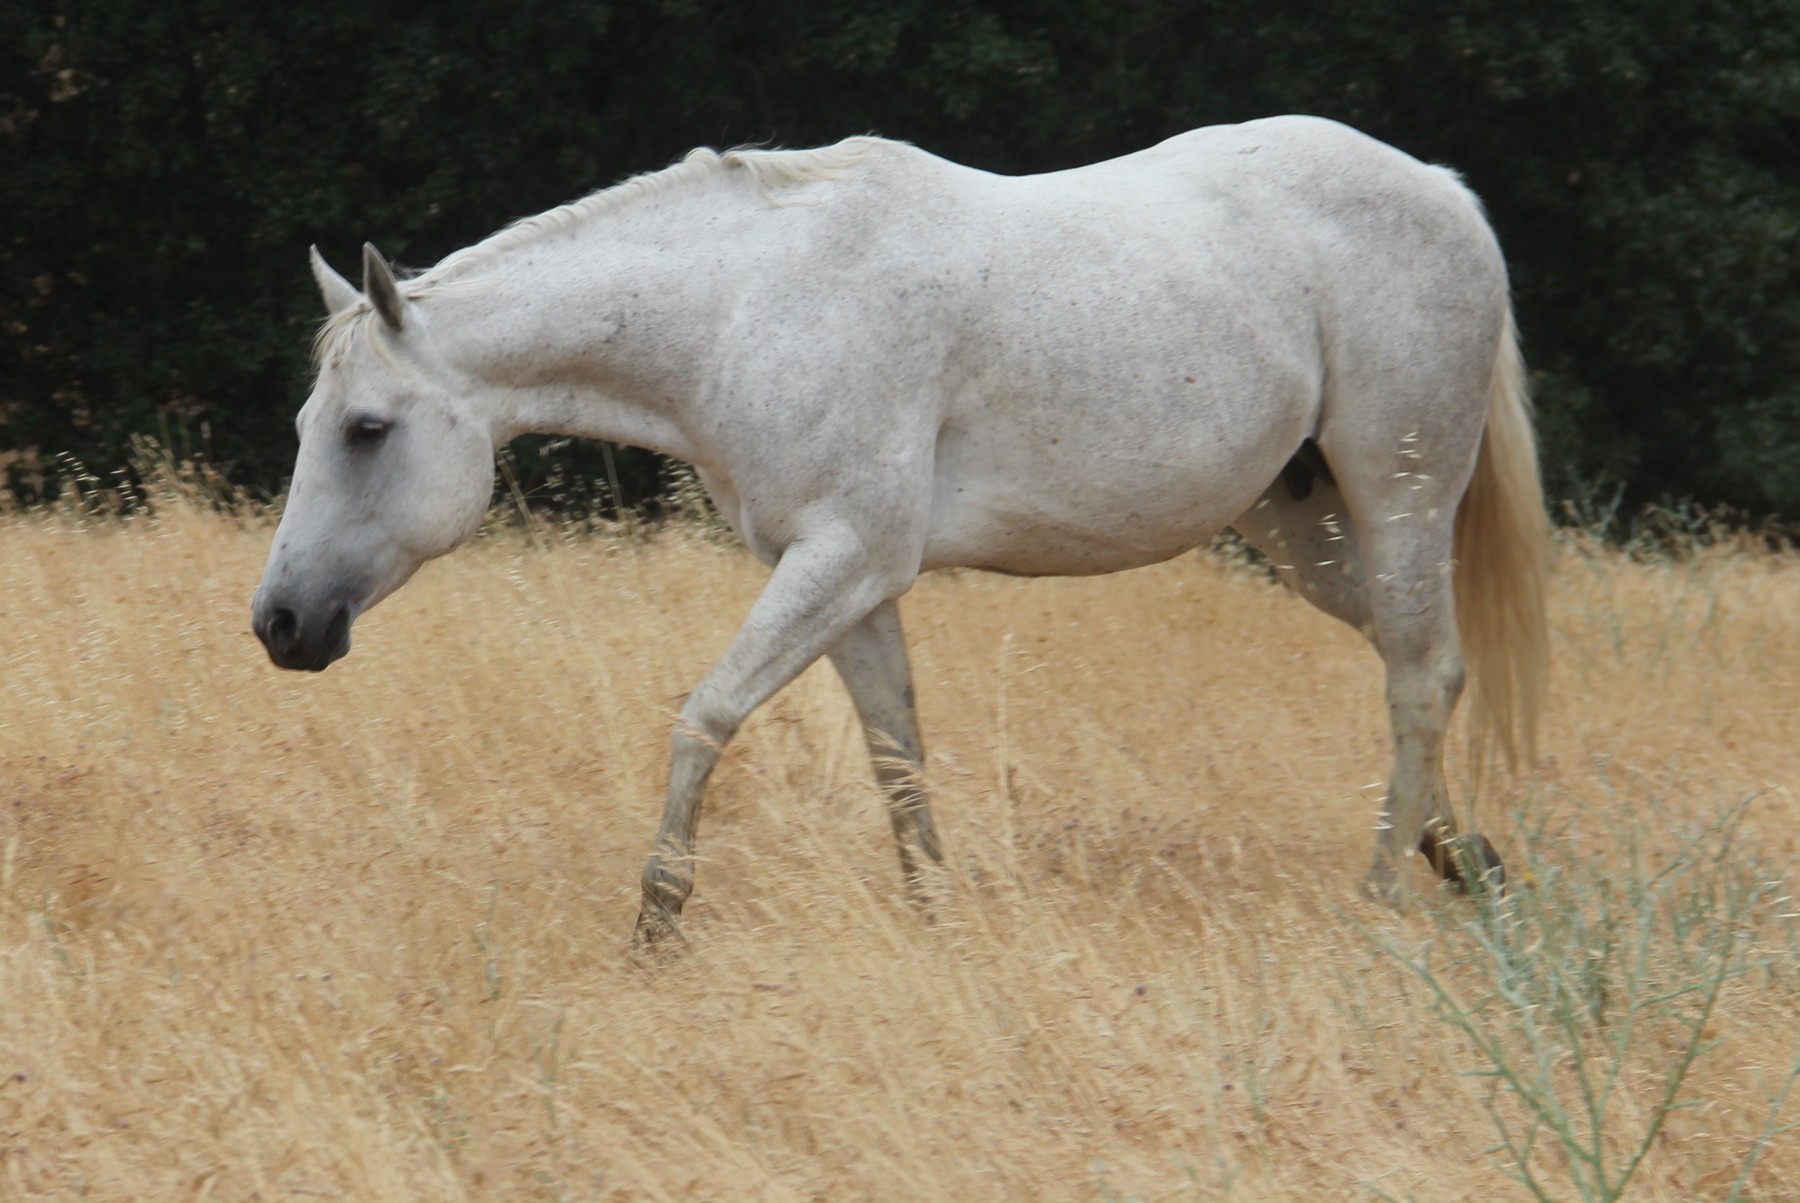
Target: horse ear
338, 292
381, 288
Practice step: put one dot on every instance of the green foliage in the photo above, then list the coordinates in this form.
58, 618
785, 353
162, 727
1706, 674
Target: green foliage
1587, 995
164, 165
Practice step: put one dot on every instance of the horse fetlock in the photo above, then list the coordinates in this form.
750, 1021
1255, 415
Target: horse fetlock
659, 916
666, 886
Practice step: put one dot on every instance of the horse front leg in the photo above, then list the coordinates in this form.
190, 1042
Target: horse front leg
821, 587
871, 659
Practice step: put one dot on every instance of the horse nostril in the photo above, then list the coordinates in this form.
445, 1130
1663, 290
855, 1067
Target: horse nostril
284, 627
337, 634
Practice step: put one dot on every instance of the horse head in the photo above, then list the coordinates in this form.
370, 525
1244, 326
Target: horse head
396, 467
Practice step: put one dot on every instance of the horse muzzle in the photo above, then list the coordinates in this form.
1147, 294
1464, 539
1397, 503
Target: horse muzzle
303, 637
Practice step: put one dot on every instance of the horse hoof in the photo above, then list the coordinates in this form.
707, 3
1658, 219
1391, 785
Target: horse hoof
1490, 873
657, 931
1468, 863
1382, 885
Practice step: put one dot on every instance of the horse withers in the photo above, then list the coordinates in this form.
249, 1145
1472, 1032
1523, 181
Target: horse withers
880, 363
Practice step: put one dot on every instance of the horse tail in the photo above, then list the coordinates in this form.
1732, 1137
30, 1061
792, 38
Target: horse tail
1502, 554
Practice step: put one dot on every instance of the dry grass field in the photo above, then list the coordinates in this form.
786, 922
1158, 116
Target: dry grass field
363, 935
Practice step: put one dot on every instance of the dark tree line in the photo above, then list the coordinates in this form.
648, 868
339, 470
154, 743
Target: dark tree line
164, 164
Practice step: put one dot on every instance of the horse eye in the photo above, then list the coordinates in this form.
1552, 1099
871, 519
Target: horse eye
364, 431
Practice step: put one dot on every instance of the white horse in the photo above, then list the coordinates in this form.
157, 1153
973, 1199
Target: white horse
880, 363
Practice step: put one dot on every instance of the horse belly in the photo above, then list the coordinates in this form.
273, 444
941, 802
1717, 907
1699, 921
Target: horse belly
1126, 434
1089, 510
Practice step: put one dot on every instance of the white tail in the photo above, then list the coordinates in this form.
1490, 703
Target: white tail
1502, 550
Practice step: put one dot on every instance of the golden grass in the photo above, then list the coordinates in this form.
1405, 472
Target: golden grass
363, 935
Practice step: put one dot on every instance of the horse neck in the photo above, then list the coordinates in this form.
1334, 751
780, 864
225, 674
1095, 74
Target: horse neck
605, 339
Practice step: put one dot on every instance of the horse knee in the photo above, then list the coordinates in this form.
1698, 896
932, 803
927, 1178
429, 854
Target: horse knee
706, 723
698, 737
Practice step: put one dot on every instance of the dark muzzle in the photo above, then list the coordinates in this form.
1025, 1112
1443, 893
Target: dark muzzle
308, 640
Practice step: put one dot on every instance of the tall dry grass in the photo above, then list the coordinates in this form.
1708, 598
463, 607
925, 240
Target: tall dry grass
363, 935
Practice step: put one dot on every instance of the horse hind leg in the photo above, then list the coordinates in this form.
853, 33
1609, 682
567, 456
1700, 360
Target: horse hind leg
1413, 613
1303, 524
1402, 502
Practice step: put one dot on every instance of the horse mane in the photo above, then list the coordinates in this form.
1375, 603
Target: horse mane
771, 172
